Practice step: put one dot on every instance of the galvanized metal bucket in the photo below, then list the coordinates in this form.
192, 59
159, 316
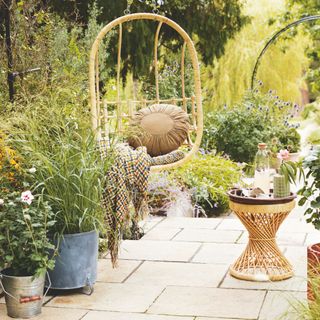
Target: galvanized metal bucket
23, 295
77, 261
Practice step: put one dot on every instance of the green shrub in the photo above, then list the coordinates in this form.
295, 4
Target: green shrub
258, 118
209, 177
286, 138
236, 133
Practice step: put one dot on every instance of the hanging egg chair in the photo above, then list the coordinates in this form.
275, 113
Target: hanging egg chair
165, 125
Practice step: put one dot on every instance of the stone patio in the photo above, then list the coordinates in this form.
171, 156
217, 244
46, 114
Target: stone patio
179, 271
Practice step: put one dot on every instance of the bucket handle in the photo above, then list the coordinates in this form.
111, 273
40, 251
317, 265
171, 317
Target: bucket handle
26, 299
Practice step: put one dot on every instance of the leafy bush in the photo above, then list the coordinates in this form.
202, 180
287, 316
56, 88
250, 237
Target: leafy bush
286, 138
258, 118
310, 191
25, 221
209, 177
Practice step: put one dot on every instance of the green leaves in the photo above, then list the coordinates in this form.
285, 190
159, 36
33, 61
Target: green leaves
24, 244
210, 177
310, 191
290, 170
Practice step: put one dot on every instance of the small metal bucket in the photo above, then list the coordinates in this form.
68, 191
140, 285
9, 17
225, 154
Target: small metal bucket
23, 295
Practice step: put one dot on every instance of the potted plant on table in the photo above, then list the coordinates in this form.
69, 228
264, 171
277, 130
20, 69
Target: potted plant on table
310, 194
286, 174
25, 220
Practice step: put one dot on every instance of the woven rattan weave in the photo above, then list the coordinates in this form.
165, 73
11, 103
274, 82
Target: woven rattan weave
99, 106
262, 260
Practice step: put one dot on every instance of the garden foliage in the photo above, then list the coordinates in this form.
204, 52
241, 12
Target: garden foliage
236, 131
25, 219
209, 177
282, 66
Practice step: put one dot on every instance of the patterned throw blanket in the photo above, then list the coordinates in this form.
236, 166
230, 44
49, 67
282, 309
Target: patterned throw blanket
127, 182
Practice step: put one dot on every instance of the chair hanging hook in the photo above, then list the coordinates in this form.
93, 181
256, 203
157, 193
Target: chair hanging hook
155, 9
127, 10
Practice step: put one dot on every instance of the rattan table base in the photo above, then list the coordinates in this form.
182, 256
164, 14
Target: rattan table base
262, 259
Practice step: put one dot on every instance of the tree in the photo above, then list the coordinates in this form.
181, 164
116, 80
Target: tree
300, 9
210, 22
281, 67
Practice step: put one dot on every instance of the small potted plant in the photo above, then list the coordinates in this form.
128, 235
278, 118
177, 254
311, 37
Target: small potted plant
286, 174
310, 194
24, 245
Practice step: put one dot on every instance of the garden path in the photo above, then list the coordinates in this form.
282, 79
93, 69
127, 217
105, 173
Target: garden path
179, 271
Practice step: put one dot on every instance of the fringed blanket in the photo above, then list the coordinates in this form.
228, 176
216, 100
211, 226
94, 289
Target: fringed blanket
127, 182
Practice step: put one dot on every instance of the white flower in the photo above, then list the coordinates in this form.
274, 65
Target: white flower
32, 170
27, 197
1, 202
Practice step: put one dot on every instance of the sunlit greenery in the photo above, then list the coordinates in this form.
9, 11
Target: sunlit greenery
282, 67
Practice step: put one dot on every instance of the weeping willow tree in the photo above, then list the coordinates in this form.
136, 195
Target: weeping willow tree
281, 69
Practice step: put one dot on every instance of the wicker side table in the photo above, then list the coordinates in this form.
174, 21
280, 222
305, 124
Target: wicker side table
262, 259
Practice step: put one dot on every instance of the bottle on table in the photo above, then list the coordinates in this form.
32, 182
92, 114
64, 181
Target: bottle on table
262, 170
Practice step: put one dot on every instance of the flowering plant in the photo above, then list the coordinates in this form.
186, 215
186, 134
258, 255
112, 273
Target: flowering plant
25, 220
289, 169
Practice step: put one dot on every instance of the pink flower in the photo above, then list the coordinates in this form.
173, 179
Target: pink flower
27, 197
283, 154
1, 202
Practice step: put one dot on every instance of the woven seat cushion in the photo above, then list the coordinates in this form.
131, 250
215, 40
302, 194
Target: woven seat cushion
161, 128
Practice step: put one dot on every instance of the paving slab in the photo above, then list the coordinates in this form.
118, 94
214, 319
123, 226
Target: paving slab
106, 273
122, 297
150, 222
209, 302
218, 253
296, 283
158, 250
298, 258
50, 314
296, 225
161, 234
174, 273
195, 223
280, 305
206, 318
312, 238
283, 238
102, 315
297, 212
231, 224
207, 235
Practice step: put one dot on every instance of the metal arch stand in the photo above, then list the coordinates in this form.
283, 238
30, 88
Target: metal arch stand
274, 38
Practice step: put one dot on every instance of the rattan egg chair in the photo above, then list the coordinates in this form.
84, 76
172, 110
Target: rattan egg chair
101, 117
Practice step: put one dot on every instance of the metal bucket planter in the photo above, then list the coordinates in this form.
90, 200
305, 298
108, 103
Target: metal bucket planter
77, 261
23, 295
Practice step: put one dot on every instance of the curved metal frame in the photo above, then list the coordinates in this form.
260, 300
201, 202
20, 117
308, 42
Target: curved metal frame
94, 70
274, 38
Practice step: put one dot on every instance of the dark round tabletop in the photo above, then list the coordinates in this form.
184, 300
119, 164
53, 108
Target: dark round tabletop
236, 195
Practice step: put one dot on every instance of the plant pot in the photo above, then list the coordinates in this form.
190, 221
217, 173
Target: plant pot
23, 295
281, 186
77, 261
313, 268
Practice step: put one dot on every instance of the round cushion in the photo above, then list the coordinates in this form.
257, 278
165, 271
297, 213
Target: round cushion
161, 128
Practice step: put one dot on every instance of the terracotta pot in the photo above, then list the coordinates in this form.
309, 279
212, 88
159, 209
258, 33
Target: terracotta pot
313, 267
